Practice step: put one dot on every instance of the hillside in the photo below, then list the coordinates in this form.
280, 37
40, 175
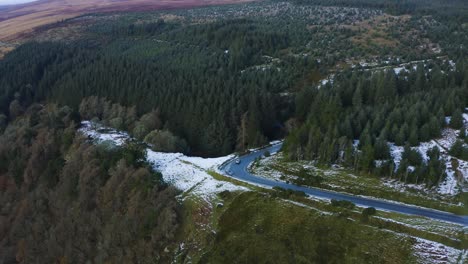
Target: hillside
115, 118
21, 20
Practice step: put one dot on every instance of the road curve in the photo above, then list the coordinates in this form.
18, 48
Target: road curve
240, 172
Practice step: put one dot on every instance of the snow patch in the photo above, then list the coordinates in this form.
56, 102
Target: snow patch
100, 133
450, 186
432, 252
188, 174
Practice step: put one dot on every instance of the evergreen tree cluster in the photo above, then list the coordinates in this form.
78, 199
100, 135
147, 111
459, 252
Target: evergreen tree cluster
352, 122
198, 84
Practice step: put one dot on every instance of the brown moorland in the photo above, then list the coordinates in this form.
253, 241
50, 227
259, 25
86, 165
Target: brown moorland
20, 20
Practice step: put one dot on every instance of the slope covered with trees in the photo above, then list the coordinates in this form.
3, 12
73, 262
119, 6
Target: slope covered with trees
67, 201
212, 81
208, 82
201, 96
220, 77
351, 122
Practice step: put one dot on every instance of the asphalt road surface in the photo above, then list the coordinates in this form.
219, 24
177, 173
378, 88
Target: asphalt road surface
240, 172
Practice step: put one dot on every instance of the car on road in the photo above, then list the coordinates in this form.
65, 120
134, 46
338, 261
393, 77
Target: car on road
238, 161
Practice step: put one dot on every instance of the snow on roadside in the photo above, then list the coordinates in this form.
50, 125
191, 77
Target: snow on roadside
188, 174
436, 253
265, 171
203, 163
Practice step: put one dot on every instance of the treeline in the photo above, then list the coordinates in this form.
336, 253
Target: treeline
351, 122
67, 201
398, 7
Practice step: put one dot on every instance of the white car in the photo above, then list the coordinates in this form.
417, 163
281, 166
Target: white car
238, 161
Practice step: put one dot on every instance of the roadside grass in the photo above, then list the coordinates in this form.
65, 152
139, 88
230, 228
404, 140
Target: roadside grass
220, 177
447, 234
455, 242
438, 231
260, 228
194, 230
428, 225
256, 225
343, 180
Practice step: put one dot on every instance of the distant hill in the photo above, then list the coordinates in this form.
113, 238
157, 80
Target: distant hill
19, 20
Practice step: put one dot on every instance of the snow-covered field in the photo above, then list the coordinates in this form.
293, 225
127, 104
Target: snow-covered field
188, 174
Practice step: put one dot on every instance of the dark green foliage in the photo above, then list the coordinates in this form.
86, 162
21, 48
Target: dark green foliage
287, 193
435, 170
333, 121
343, 204
307, 178
459, 150
366, 213
201, 92
369, 211
165, 141
412, 169
456, 121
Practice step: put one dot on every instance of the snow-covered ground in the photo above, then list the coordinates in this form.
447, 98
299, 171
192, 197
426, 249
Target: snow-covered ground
329, 79
188, 174
401, 67
100, 133
436, 253
450, 185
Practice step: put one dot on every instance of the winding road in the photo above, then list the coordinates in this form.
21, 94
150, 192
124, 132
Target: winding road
240, 171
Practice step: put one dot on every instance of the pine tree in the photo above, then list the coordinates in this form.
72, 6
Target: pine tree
456, 121
366, 160
242, 134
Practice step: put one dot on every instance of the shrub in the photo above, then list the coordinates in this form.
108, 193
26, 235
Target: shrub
369, 211
343, 204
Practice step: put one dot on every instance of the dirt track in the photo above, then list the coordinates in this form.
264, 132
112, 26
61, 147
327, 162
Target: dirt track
17, 21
